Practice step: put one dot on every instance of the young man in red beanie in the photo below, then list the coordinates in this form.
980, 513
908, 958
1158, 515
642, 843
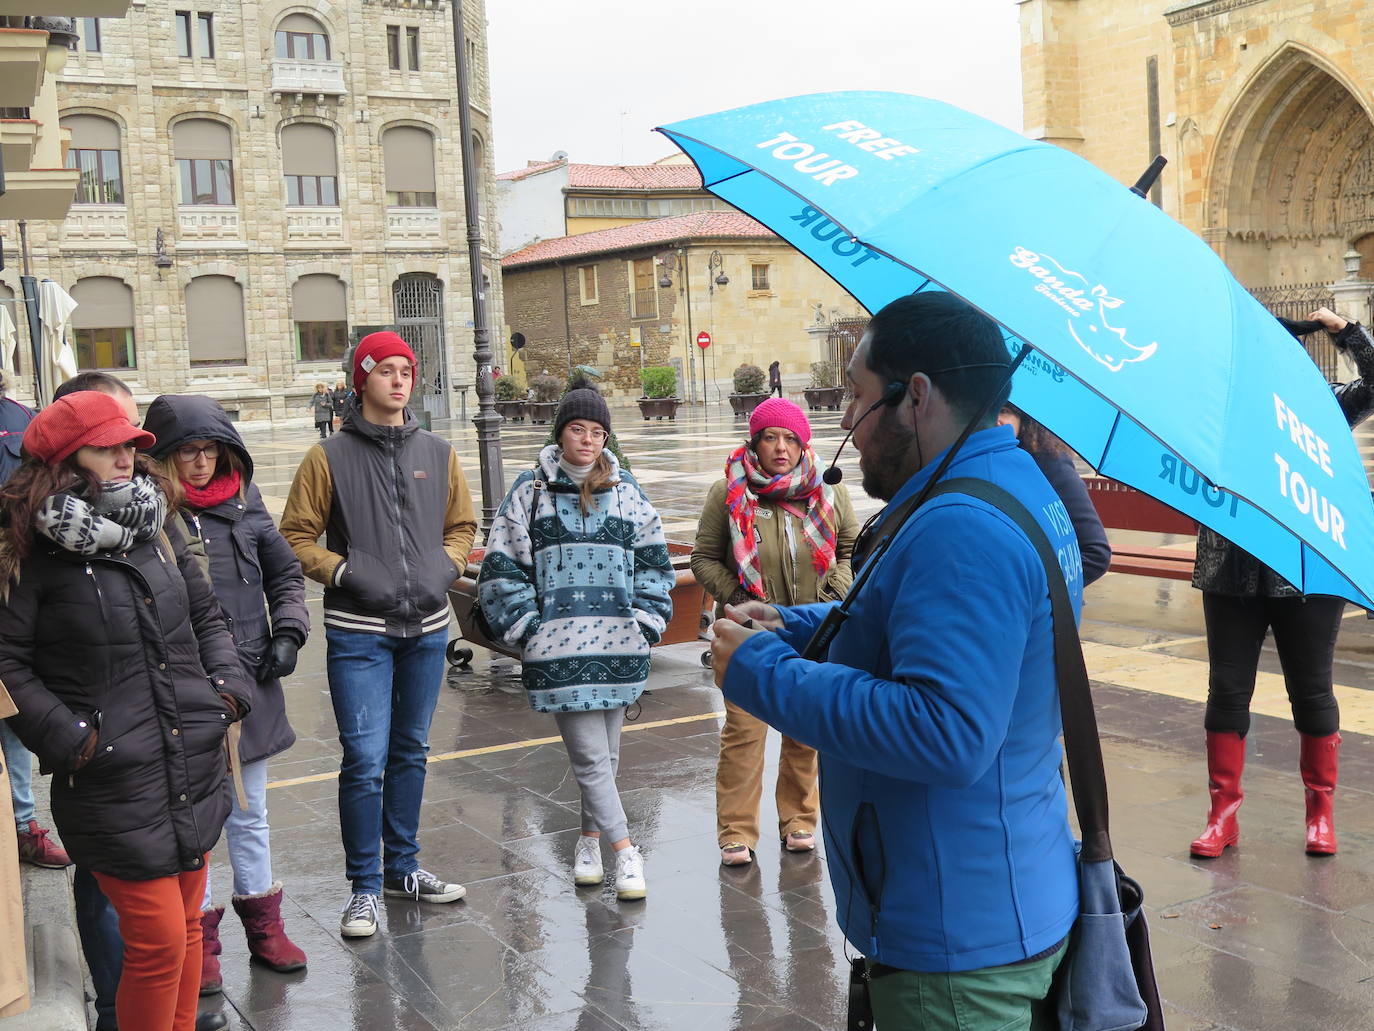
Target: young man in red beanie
398, 521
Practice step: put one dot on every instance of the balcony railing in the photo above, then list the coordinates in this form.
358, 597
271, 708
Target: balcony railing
413, 224
208, 222
644, 304
314, 223
324, 78
96, 222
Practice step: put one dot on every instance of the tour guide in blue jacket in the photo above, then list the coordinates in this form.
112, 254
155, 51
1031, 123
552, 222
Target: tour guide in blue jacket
936, 716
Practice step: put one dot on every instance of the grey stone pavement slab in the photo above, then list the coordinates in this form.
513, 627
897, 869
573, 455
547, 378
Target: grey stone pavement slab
1262, 938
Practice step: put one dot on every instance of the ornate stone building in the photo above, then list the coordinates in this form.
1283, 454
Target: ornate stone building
1264, 108
259, 182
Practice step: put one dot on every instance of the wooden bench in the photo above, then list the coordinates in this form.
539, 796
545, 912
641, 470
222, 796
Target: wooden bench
1124, 508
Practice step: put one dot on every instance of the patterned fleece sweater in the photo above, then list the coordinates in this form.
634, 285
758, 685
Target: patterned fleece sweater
583, 596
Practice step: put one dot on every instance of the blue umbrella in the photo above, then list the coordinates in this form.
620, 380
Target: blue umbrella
1150, 360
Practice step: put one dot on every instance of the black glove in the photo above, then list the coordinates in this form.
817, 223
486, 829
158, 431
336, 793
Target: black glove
282, 662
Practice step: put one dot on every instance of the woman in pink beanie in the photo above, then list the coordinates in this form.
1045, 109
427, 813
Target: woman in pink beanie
772, 530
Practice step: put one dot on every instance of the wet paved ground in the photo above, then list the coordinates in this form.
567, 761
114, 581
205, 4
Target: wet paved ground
1262, 938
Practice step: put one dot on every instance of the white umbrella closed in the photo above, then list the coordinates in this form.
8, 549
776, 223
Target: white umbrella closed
55, 307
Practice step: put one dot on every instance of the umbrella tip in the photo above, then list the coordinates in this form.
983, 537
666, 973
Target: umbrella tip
1147, 180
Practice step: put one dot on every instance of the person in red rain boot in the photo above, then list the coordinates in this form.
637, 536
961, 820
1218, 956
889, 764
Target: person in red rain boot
1242, 600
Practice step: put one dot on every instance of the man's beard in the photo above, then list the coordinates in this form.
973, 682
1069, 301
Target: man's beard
883, 464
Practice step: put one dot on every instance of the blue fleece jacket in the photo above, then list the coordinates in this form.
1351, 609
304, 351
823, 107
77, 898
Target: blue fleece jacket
937, 721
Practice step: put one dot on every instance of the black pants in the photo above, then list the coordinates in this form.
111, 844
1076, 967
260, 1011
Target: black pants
325, 428
1305, 630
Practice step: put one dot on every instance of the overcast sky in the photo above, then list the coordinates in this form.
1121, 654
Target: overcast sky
593, 78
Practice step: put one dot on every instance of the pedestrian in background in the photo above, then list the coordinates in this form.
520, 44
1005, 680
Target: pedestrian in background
106, 627
775, 379
1242, 600
258, 583
393, 506
577, 578
339, 395
772, 531
322, 408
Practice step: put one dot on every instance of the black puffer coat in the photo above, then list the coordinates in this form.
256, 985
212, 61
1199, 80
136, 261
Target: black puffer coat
1224, 568
130, 635
249, 561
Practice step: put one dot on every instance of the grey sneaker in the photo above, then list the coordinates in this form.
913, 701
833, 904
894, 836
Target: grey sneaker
423, 886
359, 917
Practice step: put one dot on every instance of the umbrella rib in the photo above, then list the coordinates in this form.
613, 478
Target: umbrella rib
1111, 435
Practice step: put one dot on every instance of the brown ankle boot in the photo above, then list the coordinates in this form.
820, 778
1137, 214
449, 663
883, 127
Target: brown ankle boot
210, 981
267, 940
1225, 763
1318, 764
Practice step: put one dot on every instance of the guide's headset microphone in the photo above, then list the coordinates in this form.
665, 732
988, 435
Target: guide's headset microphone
891, 395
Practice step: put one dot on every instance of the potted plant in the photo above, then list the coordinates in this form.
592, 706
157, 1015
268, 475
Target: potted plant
748, 382
660, 398
510, 399
546, 390
825, 390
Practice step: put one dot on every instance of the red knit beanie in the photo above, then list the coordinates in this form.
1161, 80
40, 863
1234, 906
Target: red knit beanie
375, 348
780, 412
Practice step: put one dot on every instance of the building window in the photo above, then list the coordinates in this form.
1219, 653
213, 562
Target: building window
214, 322
758, 275
319, 306
310, 166
393, 47
205, 166
413, 46
202, 43
408, 157
399, 57
95, 152
300, 37
643, 289
103, 323
90, 35
586, 284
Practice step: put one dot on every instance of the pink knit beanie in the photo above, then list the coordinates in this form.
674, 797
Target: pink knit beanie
784, 414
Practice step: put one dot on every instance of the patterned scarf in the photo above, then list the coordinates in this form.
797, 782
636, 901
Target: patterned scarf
126, 513
217, 491
800, 493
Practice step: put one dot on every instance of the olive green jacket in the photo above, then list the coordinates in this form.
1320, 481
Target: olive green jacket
786, 582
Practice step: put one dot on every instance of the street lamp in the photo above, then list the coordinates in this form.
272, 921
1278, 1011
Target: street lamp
715, 261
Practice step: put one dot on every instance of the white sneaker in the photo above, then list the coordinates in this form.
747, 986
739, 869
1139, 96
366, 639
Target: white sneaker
587, 868
629, 874
359, 918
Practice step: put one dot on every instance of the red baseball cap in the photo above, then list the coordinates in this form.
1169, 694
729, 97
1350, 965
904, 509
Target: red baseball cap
375, 348
87, 418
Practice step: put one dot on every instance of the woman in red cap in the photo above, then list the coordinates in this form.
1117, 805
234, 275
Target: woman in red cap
126, 679
772, 530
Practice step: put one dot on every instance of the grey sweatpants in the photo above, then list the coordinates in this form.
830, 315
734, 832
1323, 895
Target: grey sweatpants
593, 743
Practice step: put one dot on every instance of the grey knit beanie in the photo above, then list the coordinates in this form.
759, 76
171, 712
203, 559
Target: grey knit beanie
582, 403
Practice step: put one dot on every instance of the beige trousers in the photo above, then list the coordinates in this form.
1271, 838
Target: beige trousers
739, 781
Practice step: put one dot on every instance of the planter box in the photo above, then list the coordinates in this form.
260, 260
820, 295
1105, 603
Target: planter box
744, 404
659, 407
511, 411
824, 397
542, 411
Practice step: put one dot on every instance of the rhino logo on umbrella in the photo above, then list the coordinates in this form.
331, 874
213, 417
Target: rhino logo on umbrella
1072, 292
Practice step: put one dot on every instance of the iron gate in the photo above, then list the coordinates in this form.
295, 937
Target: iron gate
418, 301
843, 338
1296, 302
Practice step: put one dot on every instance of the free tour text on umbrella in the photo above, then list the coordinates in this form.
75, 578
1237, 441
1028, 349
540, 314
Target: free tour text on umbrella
828, 170
1294, 486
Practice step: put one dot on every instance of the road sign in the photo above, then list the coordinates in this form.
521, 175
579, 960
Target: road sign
703, 340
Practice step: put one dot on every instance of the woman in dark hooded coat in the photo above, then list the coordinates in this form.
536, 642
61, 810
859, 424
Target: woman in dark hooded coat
259, 585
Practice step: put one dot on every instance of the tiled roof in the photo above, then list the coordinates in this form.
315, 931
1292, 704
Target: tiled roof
698, 225
633, 177
529, 170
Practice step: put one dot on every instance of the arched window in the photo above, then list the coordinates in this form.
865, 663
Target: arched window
214, 322
310, 164
205, 161
408, 155
319, 306
103, 323
95, 151
301, 38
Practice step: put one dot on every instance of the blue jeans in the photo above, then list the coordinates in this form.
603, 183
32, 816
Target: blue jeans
19, 761
98, 925
246, 830
384, 690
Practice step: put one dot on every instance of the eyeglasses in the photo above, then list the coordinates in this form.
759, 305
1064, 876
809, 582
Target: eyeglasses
190, 453
582, 431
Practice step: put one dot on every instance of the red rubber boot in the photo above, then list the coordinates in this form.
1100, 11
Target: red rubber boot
1318, 763
1225, 763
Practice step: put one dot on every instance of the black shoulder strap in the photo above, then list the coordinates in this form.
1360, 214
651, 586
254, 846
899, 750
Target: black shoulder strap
1082, 745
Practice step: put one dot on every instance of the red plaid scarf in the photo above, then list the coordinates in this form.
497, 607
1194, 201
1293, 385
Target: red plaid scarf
800, 493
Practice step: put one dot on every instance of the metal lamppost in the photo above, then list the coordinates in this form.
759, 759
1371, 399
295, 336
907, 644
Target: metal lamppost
714, 264
487, 421
668, 264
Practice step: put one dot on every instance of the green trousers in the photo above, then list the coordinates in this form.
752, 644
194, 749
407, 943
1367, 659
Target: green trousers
1009, 998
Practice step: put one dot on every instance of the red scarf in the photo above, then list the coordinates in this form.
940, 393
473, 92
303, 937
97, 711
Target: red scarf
216, 492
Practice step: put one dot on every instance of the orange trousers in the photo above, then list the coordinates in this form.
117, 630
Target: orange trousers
739, 781
159, 921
